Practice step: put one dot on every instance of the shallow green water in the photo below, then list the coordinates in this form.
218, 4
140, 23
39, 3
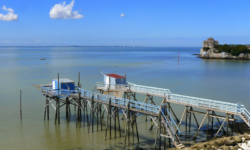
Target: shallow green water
20, 67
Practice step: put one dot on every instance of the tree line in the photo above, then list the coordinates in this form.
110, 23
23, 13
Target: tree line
234, 50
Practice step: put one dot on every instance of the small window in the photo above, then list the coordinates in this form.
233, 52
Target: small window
121, 79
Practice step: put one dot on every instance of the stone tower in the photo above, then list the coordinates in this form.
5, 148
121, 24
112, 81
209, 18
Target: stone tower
210, 42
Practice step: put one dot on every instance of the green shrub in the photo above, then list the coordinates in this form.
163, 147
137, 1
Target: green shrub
235, 50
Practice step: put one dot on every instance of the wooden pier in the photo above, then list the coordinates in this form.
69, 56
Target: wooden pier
100, 103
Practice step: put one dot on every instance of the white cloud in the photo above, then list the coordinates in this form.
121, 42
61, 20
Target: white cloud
37, 41
10, 16
7, 42
122, 15
63, 11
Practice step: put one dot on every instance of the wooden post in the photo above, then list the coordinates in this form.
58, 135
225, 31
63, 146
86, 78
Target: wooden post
156, 135
164, 128
186, 121
47, 108
200, 126
159, 124
182, 117
170, 109
100, 114
207, 122
146, 106
212, 126
84, 113
67, 110
118, 122
124, 96
221, 127
128, 120
196, 121
137, 131
44, 108
97, 117
92, 110
132, 126
227, 124
110, 119
21, 104
58, 110
115, 122
107, 119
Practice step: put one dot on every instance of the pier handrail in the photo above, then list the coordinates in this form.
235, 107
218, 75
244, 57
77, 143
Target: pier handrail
246, 113
206, 103
235, 108
148, 89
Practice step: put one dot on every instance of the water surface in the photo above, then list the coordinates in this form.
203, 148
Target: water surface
20, 67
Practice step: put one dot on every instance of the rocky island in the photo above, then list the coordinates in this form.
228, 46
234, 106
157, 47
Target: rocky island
212, 49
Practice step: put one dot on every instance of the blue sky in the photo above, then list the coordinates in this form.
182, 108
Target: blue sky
145, 22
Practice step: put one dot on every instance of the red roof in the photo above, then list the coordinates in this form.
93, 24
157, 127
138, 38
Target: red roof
115, 76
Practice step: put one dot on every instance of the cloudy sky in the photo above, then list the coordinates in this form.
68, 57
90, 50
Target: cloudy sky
123, 22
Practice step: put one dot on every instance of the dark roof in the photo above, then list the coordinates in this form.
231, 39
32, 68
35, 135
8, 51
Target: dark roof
114, 76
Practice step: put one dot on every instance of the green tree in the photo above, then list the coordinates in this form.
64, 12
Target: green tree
206, 48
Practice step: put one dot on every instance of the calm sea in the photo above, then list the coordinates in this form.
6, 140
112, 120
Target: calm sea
21, 67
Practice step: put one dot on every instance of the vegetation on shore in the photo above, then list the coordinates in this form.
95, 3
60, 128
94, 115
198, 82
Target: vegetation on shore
234, 50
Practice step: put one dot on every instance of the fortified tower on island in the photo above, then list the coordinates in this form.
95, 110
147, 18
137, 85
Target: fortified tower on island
209, 45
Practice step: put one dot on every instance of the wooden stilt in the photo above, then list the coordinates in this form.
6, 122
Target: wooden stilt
87, 110
58, 110
132, 126
190, 116
92, 112
118, 122
146, 106
58, 103
200, 126
84, 112
107, 122
196, 121
127, 126
207, 122
182, 117
227, 124
221, 127
186, 122
137, 133
156, 135
170, 108
237, 127
97, 117
128, 121
21, 116
100, 114
212, 129
159, 124
115, 121
44, 108
47, 108
124, 145
67, 108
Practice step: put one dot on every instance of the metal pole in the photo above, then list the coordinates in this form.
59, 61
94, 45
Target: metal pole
21, 104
